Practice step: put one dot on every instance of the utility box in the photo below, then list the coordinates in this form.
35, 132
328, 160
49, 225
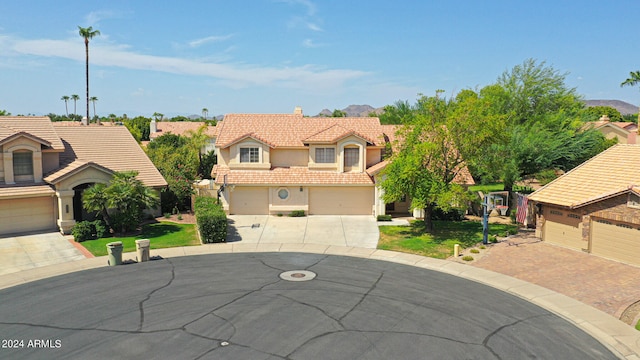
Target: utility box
114, 252
142, 249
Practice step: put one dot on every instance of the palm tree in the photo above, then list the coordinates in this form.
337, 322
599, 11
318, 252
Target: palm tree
93, 99
66, 103
205, 112
75, 99
633, 80
87, 33
158, 116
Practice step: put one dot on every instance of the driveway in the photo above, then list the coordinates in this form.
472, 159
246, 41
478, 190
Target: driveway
25, 252
340, 230
605, 284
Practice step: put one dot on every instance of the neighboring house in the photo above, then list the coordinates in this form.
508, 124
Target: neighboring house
596, 206
183, 128
625, 132
277, 163
45, 166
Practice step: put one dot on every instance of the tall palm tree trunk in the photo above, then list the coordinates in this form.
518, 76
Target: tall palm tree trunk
86, 47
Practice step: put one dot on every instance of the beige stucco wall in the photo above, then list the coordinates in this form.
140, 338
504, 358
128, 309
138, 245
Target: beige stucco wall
373, 156
234, 155
297, 200
612, 131
351, 141
1, 165
289, 157
89, 175
224, 156
50, 161
22, 144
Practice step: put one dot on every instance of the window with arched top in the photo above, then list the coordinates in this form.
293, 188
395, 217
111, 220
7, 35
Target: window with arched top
351, 158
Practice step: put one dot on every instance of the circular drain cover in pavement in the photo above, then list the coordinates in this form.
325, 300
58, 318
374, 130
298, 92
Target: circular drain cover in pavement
297, 275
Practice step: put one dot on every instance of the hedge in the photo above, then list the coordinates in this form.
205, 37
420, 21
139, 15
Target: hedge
211, 220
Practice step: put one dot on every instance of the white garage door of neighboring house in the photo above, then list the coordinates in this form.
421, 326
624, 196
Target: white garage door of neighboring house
617, 241
341, 200
560, 229
249, 201
24, 215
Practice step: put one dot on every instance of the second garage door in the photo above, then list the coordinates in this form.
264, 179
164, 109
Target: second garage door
24, 215
249, 201
617, 241
357, 200
561, 229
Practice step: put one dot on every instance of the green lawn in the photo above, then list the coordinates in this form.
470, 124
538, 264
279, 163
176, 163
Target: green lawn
638, 325
487, 188
162, 235
412, 239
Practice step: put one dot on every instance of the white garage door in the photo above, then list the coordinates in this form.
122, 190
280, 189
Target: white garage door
617, 241
249, 201
341, 200
561, 229
24, 215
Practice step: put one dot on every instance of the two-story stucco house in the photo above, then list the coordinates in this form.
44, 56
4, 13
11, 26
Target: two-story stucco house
45, 166
277, 163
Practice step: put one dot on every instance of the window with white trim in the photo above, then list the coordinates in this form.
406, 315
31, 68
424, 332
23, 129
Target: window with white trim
249, 155
22, 163
325, 155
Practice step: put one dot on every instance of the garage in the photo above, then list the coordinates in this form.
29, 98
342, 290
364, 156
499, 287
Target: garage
357, 200
27, 214
562, 229
616, 241
249, 201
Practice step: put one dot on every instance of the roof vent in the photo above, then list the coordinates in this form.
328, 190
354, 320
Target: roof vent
298, 110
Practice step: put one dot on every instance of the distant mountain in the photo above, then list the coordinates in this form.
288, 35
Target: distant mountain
623, 107
354, 111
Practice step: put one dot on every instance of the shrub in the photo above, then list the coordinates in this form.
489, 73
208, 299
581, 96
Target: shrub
167, 215
279, 215
179, 216
492, 239
88, 230
482, 247
297, 213
211, 220
474, 251
384, 218
82, 231
467, 258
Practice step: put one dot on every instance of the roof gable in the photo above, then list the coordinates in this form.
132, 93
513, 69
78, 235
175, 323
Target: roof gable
72, 169
607, 174
334, 133
25, 135
38, 127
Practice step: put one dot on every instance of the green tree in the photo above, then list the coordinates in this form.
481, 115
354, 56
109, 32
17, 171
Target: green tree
205, 113
122, 202
632, 80
437, 138
397, 113
4, 113
593, 113
66, 98
75, 99
158, 116
338, 113
87, 34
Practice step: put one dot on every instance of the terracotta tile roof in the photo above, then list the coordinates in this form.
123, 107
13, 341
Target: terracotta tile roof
611, 172
17, 191
375, 169
39, 127
180, 128
334, 133
290, 130
289, 176
111, 147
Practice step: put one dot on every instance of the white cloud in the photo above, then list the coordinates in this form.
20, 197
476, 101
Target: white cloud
314, 27
238, 74
308, 43
209, 39
94, 17
311, 7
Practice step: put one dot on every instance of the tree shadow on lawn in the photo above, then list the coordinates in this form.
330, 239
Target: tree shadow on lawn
465, 233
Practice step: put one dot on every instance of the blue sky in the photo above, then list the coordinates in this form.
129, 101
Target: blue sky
268, 56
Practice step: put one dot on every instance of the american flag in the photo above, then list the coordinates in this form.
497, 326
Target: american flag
521, 213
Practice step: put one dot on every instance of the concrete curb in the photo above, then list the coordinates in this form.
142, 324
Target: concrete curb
619, 337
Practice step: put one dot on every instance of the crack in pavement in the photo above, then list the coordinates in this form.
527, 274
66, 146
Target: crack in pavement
141, 303
486, 340
364, 296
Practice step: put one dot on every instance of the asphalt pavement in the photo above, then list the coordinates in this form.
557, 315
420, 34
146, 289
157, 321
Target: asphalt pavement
279, 305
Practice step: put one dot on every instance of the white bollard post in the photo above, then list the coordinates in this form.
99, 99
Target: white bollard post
456, 250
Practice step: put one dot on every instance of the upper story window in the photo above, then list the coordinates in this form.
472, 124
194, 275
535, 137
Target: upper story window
634, 201
351, 157
325, 155
249, 155
22, 163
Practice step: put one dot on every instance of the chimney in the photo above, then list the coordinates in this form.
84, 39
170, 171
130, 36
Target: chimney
153, 127
298, 110
604, 118
85, 121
